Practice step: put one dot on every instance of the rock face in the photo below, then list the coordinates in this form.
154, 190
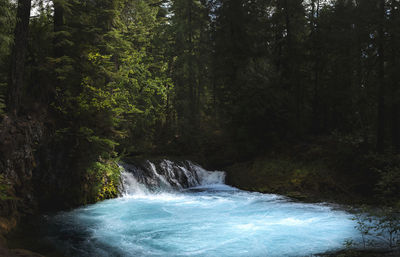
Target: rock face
156, 174
161, 175
19, 139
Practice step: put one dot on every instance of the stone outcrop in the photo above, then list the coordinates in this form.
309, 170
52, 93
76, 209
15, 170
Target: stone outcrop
19, 139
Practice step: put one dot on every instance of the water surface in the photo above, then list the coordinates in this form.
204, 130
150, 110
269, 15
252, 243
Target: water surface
203, 218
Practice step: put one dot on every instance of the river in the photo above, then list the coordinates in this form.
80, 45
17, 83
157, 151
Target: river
179, 209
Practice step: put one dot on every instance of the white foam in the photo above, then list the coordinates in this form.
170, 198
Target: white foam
208, 177
130, 186
167, 179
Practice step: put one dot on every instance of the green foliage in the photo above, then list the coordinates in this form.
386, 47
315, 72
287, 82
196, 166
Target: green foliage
365, 227
287, 70
119, 84
6, 25
189, 50
103, 179
7, 21
389, 183
5, 188
111, 85
99, 71
379, 226
289, 176
388, 227
213, 78
3, 91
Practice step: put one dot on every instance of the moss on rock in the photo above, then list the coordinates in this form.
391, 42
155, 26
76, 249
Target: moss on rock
103, 178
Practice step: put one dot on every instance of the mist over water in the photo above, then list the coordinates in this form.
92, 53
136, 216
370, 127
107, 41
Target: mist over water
180, 209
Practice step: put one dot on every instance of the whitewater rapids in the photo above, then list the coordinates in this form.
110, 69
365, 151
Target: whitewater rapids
179, 209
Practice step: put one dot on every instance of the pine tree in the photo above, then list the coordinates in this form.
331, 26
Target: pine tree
6, 38
17, 72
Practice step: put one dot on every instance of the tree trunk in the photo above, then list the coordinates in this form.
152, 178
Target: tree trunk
288, 40
395, 104
192, 83
380, 139
292, 76
316, 122
21, 33
58, 26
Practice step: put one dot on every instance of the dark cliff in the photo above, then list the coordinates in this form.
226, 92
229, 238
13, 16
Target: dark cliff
20, 139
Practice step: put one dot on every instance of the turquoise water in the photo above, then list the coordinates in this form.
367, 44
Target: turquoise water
210, 219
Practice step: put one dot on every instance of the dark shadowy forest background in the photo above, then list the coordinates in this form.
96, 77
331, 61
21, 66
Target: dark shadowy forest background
289, 96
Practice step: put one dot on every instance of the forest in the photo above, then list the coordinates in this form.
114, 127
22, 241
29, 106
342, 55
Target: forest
294, 97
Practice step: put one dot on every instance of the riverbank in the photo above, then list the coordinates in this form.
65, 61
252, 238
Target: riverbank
360, 253
322, 170
6, 226
309, 182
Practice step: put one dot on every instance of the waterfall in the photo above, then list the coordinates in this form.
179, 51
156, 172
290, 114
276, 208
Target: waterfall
165, 176
130, 186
